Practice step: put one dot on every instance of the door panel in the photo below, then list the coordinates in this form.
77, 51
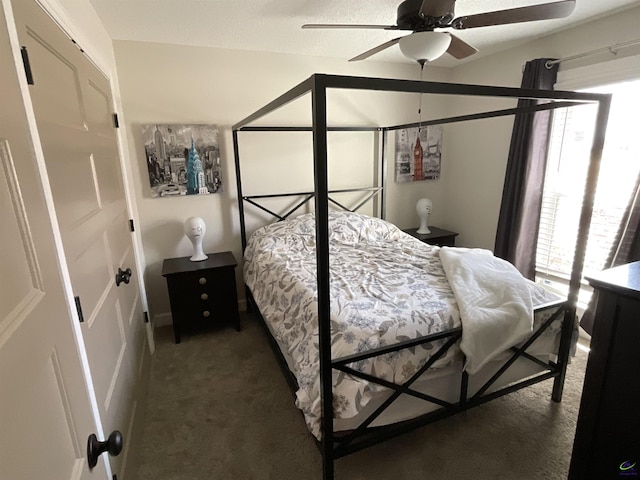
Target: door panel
51, 425
91, 276
81, 153
99, 109
130, 297
108, 177
119, 240
25, 282
55, 424
73, 186
106, 333
50, 65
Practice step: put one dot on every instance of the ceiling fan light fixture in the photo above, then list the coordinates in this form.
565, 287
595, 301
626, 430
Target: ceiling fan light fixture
425, 46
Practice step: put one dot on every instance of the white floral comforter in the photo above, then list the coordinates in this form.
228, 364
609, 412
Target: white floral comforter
386, 287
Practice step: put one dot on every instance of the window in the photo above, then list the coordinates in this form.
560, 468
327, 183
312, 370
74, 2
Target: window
571, 137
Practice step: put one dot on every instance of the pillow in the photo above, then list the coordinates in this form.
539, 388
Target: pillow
352, 228
346, 228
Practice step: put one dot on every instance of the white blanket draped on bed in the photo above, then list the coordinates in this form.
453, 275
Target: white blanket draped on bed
496, 309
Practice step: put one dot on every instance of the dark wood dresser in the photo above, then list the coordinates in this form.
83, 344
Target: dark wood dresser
202, 293
438, 236
607, 442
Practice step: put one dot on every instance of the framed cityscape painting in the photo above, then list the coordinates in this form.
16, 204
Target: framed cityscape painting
182, 159
418, 156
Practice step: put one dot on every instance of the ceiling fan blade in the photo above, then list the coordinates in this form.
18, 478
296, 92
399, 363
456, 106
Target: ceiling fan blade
459, 48
375, 50
545, 11
436, 8
350, 26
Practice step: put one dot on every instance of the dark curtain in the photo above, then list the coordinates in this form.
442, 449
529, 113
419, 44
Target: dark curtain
519, 221
625, 249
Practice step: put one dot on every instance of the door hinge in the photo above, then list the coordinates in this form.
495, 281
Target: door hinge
76, 44
116, 124
27, 65
132, 227
79, 309
146, 317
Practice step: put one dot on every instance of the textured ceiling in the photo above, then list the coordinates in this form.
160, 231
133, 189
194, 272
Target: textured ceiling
274, 25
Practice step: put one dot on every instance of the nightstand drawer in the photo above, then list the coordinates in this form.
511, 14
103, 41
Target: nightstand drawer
205, 280
204, 292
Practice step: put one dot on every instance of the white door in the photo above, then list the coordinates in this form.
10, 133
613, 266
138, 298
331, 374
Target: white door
74, 113
45, 411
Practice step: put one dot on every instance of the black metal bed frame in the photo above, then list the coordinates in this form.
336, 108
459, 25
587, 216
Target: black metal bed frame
334, 446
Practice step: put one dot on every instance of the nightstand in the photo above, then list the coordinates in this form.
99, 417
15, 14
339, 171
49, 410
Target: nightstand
438, 236
202, 293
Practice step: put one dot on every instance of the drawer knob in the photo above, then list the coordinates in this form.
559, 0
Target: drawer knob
202, 281
206, 313
204, 296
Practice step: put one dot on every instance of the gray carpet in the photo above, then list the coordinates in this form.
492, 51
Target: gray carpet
219, 408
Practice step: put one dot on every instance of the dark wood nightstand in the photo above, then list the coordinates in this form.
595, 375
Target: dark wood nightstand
438, 236
202, 292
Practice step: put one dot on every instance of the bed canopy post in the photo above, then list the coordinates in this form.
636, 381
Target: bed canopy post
321, 183
383, 174
236, 154
581, 242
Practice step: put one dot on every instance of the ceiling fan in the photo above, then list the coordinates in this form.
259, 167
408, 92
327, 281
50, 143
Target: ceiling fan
423, 17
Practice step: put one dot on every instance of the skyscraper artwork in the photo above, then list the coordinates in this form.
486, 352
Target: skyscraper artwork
182, 159
195, 174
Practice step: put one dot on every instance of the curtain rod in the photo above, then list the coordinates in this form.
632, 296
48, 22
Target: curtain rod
611, 48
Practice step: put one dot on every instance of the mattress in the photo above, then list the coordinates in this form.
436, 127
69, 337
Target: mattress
385, 287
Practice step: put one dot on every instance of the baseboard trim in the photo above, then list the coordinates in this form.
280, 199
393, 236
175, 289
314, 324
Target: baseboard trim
162, 320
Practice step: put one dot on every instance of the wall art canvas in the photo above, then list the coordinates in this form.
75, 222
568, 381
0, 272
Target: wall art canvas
182, 159
418, 156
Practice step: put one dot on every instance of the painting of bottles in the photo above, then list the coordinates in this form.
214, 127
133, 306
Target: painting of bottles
418, 153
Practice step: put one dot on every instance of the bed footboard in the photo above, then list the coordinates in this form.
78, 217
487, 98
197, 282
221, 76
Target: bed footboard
365, 435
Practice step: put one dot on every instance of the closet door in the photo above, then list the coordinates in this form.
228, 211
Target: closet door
74, 114
45, 409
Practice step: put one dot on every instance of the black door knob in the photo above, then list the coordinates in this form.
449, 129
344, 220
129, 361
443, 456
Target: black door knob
95, 448
123, 276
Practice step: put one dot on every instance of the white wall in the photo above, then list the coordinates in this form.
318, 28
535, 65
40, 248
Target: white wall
178, 84
478, 163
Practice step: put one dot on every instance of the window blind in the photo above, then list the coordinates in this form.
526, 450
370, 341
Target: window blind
570, 143
562, 195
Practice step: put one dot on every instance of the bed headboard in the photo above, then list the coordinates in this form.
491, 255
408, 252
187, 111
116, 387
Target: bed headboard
358, 197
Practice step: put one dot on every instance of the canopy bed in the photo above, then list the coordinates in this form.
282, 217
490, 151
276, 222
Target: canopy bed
360, 313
